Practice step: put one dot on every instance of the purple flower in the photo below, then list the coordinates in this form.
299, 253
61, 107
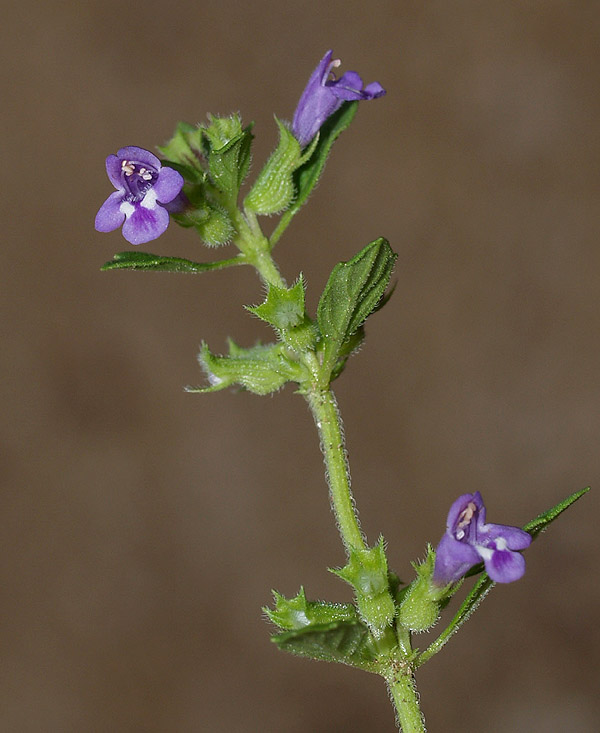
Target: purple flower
324, 94
142, 186
469, 540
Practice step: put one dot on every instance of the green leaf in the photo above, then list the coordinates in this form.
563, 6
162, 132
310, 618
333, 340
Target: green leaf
348, 347
297, 613
348, 642
146, 261
539, 524
307, 175
352, 293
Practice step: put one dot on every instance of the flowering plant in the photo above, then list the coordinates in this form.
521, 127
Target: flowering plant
198, 182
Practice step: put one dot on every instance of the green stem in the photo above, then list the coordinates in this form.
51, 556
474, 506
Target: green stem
327, 419
404, 695
266, 267
255, 247
399, 673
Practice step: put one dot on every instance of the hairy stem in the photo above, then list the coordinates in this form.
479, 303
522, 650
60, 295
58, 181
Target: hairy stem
404, 695
327, 419
398, 672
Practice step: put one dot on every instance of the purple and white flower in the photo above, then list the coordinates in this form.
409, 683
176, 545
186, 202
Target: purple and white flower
143, 186
324, 95
469, 540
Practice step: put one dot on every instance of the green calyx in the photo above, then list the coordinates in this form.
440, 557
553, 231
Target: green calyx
274, 189
367, 572
206, 216
421, 601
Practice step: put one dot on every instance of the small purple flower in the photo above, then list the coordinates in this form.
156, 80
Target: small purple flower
469, 540
324, 94
142, 186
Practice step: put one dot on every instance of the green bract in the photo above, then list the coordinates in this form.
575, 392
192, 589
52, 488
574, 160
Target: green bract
284, 310
284, 307
297, 613
259, 369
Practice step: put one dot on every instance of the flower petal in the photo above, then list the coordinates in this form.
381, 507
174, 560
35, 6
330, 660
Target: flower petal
348, 86
515, 538
319, 75
373, 90
139, 155
504, 566
144, 224
168, 184
459, 506
110, 216
113, 169
452, 560
478, 501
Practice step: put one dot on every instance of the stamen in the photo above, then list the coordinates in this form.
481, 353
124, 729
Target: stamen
466, 515
128, 167
333, 65
146, 175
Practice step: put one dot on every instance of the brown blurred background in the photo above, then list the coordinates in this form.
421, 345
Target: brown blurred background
142, 527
